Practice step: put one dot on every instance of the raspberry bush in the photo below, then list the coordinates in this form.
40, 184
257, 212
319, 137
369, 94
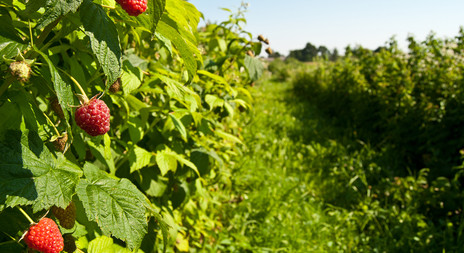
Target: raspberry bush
140, 176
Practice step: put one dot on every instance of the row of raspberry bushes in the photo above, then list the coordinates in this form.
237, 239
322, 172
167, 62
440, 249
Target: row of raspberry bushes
175, 96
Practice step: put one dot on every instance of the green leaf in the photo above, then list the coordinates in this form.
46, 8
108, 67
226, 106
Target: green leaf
214, 101
104, 39
151, 182
31, 175
32, 7
116, 205
56, 9
103, 152
166, 161
254, 67
134, 103
155, 10
229, 109
179, 25
217, 78
138, 158
62, 89
131, 77
187, 163
179, 126
11, 117
10, 41
10, 48
227, 136
101, 244
135, 128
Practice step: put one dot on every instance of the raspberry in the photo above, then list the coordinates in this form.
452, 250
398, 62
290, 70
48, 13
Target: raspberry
69, 243
133, 7
21, 70
67, 217
45, 237
93, 117
116, 86
60, 142
56, 107
269, 51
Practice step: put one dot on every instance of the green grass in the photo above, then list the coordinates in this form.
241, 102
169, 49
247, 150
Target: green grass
304, 185
279, 181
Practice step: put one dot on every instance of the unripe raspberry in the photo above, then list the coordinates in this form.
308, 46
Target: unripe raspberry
67, 217
60, 142
116, 86
93, 117
250, 53
269, 51
69, 243
45, 237
56, 107
133, 7
21, 70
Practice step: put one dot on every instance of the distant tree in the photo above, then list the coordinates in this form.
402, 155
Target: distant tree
275, 54
306, 54
324, 52
334, 56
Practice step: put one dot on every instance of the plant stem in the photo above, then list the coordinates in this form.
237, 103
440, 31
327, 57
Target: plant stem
51, 123
25, 214
86, 99
30, 33
109, 7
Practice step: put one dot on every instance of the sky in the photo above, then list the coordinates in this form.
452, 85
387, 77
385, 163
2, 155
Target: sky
290, 24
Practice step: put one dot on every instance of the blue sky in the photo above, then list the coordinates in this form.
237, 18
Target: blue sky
291, 24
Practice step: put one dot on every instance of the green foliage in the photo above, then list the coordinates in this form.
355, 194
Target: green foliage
401, 180
174, 122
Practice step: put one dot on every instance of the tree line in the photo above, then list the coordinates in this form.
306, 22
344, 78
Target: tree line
310, 52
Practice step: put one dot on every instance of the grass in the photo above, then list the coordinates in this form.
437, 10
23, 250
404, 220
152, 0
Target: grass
279, 179
305, 185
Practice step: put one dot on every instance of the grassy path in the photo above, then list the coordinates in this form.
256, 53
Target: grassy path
279, 179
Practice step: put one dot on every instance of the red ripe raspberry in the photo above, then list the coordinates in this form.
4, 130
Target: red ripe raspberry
133, 7
93, 117
44, 237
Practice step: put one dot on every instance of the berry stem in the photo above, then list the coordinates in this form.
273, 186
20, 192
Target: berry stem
51, 123
84, 96
109, 7
30, 33
25, 215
